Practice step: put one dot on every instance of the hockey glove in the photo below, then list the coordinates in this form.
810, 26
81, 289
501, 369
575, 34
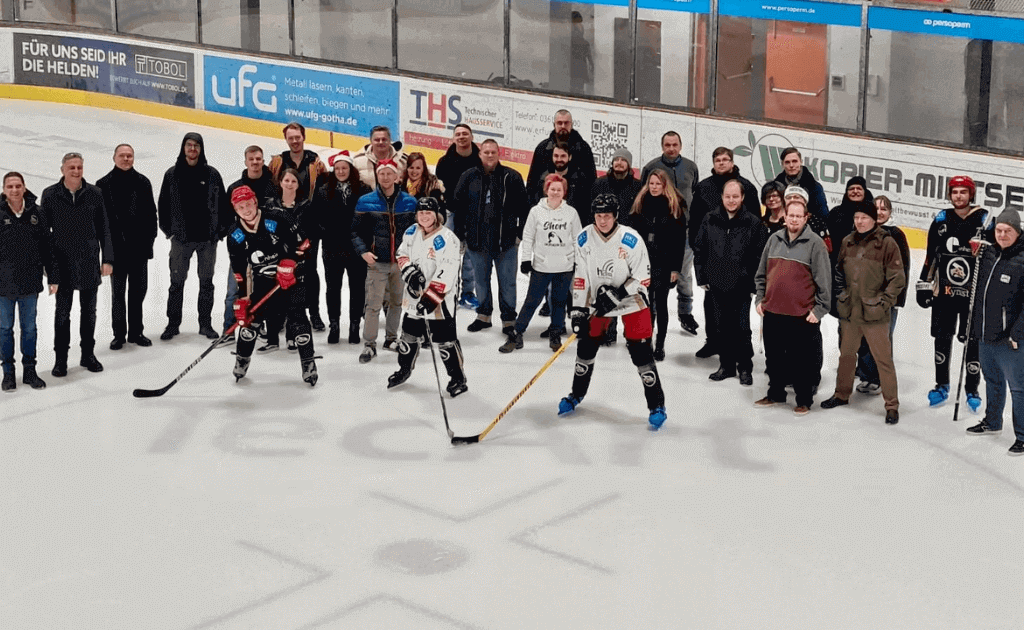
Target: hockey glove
579, 320
608, 298
414, 280
286, 274
526, 267
925, 294
428, 303
242, 316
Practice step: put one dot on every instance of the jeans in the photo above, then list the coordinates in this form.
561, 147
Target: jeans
62, 320
539, 283
229, 301
27, 310
866, 368
505, 264
180, 258
1003, 366
684, 287
468, 279
133, 279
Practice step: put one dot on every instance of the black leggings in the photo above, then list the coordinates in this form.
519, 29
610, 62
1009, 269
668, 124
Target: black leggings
659, 310
335, 266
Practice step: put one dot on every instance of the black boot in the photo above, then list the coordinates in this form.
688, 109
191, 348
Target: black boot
353, 332
334, 335
32, 379
60, 366
315, 321
399, 377
91, 363
659, 350
10, 382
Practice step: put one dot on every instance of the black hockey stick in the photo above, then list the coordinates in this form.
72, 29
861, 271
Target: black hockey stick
153, 393
970, 318
473, 439
437, 375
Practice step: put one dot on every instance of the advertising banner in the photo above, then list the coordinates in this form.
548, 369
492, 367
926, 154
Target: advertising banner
686, 6
118, 68
832, 13
332, 101
990, 27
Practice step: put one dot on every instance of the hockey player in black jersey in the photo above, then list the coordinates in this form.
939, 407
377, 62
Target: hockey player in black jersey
266, 249
945, 285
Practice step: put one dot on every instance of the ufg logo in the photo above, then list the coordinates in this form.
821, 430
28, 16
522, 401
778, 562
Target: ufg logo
240, 87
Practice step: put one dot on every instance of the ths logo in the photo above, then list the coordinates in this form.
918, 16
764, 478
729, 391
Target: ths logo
236, 91
440, 111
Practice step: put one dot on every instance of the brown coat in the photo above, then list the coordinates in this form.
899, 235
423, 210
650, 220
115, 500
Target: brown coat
869, 277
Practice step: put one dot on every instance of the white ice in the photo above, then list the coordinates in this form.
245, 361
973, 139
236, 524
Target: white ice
267, 504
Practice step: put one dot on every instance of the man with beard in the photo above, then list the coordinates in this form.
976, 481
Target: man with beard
462, 155
840, 218
131, 211
794, 174
684, 176
582, 154
578, 180
945, 283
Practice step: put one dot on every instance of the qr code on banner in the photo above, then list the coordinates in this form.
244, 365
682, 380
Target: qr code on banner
605, 139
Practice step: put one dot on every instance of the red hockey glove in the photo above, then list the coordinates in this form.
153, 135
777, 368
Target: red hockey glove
286, 274
242, 316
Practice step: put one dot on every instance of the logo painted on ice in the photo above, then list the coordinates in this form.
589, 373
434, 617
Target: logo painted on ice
237, 87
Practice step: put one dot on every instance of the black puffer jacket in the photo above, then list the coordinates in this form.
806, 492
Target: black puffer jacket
24, 250
131, 210
727, 251
80, 231
663, 234
999, 300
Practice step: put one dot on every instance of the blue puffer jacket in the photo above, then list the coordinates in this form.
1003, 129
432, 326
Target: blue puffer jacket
999, 300
379, 223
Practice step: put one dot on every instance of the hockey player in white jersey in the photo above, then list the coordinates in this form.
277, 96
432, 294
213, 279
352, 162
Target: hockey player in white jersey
612, 275
430, 261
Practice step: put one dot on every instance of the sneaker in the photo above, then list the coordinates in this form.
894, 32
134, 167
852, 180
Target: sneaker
457, 386
871, 389
833, 402
225, 340
555, 342
657, 417
938, 395
169, 333
268, 348
117, 343
391, 344
316, 322
545, 309
568, 404
689, 324
399, 377
334, 336
707, 351
32, 379
241, 367
973, 401
91, 363
309, 371
801, 410
10, 382
291, 345
468, 300
722, 374
60, 367
207, 331
140, 340
514, 342
477, 325
369, 351
982, 428
892, 416
746, 378
1017, 448
766, 402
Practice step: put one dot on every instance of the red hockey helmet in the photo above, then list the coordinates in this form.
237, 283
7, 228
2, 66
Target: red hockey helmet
961, 181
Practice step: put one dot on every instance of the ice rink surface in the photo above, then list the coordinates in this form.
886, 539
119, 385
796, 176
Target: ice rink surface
269, 505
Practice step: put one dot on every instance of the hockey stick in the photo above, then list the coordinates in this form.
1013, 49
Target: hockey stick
970, 318
153, 393
437, 375
472, 439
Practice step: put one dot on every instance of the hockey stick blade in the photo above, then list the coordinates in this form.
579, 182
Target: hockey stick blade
151, 393
472, 439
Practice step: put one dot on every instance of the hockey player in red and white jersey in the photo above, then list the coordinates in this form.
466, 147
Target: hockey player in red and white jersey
430, 260
612, 275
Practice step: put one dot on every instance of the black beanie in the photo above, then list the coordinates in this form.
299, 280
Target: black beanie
857, 180
867, 208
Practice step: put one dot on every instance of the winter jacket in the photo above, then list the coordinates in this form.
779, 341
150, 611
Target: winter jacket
580, 184
794, 276
131, 211
682, 172
510, 204
840, 220
366, 163
707, 195
728, 250
310, 170
80, 231
24, 250
451, 166
332, 216
300, 213
999, 299
869, 277
379, 223
264, 187
818, 204
549, 237
181, 184
664, 235
901, 241
582, 158
625, 190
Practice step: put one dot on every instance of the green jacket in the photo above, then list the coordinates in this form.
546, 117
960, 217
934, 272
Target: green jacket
869, 277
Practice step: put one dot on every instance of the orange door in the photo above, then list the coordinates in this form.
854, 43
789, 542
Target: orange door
734, 91
796, 73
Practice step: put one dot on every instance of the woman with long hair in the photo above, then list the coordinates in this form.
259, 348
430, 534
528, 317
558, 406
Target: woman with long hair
419, 181
289, 202
334, 205
659, 215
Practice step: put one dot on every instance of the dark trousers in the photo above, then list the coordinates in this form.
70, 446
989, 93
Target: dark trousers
62, 320
791, 347
729, 329
180, 259
312, 276
133, 277
335, 266
659, 310
1004, 368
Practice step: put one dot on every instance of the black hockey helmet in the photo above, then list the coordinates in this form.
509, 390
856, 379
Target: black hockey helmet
606, 203
431, 204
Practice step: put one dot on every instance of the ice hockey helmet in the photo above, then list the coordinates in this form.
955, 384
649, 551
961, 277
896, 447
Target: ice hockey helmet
606, 203
961, 181
431, 204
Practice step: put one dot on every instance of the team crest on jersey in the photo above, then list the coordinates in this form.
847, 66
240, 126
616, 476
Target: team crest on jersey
238, 235
957, 271
579, 284
607, 270
623, 254
629, 241
582, 239
271, 225
438, 242
411, 230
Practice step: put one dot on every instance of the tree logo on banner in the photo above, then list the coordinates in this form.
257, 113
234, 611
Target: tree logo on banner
764, 153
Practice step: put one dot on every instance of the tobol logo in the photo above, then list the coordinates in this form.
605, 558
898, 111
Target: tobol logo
237, 87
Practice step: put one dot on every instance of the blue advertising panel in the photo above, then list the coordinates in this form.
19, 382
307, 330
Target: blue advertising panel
832, 13
997, 29
686, 6
118, 68
332, 101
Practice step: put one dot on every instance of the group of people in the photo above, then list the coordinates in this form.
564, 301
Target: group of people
420, 243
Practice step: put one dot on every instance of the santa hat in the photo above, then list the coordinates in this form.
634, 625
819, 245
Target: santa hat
388, 164
343, 156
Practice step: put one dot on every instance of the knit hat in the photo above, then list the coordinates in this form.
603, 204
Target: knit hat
623, 153
857, 180
242, 193
343, 156
389, 163
1011, 218
868, 208
798, 192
